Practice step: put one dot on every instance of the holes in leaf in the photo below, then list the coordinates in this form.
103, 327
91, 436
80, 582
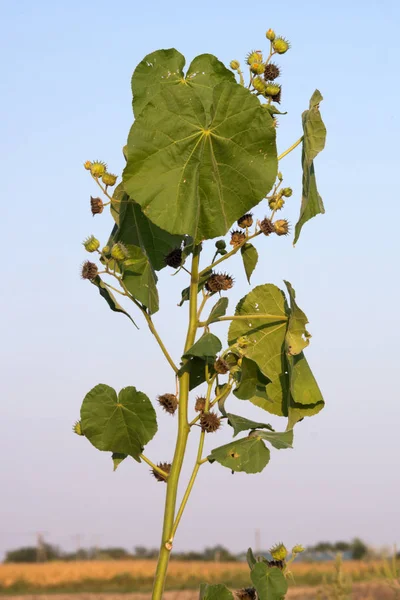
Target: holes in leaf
233, 454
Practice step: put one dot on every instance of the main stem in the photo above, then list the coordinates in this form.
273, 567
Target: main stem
181, 441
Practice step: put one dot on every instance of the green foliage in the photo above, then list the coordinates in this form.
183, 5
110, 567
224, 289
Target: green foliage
215, 592
269, 582
250, 259
217, 311
122, 423
242, 424
207, 346
248, 455
251, 380
140, 279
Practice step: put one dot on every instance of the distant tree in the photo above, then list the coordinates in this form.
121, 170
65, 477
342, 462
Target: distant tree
29, 554
342, 546
114, 553
358, 549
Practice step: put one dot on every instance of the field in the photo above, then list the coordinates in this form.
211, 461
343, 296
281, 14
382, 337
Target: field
89, 579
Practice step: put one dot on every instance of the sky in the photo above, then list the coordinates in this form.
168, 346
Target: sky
65, 98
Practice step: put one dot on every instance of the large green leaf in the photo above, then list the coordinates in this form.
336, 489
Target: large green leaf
314, 132
269, 582
207, 346
218, 310
297, 336
242, 424
195, 175
249, 455
140, 279
267, 337
252, 380
109, 298
250, 259
215, 592
277, 439
121, 424
305, 397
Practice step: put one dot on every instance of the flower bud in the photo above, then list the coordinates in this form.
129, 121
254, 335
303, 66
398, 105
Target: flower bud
97, 168
280, 45
297, 549
220, 244
119, 251
77, 428
270, 35
109, 179
87, 165
280, 176
91, 244
106, 250
235, 65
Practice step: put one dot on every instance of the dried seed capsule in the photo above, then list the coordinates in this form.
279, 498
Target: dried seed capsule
245, 221
91, 244
278, 552
96, 205
221, 366
237, 238
77, 428
278, 97
246, 594
119, 251
174, 258
271, 72
109, 179
166, 467
200, 404
267, 226
280, 45
217, 282
98, 168
281, 227
169, 402
210, 422
89, 270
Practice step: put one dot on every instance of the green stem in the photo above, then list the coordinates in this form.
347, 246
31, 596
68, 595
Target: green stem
154, 467
181, 441
231, 253
292, 147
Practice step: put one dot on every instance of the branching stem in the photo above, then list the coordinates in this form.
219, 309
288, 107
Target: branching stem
292, 147
154, 467
231, 253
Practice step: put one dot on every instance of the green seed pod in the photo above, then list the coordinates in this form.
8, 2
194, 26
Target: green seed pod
272, 89
254, 56
235, 65
257, 68
287, 192
280, 45
259, 84
119, 251
77, 428
281, 227
297, 549
220, 244
98, 168
270, 35
109, 179
278, 552
91, 244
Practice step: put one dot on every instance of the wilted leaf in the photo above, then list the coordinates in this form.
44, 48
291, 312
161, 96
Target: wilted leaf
269, 582
250, 259
110, 299
297, 336
249, 455
242, 424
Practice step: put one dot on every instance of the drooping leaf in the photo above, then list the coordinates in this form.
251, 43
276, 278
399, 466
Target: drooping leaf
242, 424
250, 259
252, 380
186, 291
215, 592
269, 582
110, 299
267, 337
218, 310
223, 391
117, 459
297, 336
248, 455
140, 279
164, 68
305, 398
121, 424
194, 175
251, 559
277, 439
207, 346
314, 132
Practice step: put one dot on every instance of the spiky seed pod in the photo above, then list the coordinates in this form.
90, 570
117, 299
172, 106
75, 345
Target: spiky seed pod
237, 238
89, 270
281, 227
270, 35
174, 258
119, 251
109, 179
217, 282
166, 467
235, 65
272, 89
245, 221
271, 72
278, 552
267, 226
210, 422
98, 168
87, 165
246, 594
257, 68
287, 192
278, 97
169, 402
280, 45
200, 404
297, 549
77, 428
221, 366
259, 84
276, 203
276, 563
106, 250
254, 56
91, 244
96, 205
220, 244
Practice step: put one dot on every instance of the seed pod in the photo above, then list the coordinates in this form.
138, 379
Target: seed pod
96, 205
77, 428
98, 168
259, 84
89, 270
174, 258
280, 45
221, 366
272, 89
217, 282
278, 97
109, 179
276, 203
220, 244
278, 552
166, 467
267, 226
91, 244
270, 35
245, 221
235, 65
200, 404
287, 192
281, 227
297, 549
119, 251
271, 72
106, 250
257, 68
210, 422
169, 402
254, 56
87, 165
246, 594
237, 238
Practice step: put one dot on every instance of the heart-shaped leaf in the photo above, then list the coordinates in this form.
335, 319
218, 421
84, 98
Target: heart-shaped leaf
207, 346
249, 455
269, 582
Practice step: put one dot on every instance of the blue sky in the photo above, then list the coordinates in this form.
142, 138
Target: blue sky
65, 97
